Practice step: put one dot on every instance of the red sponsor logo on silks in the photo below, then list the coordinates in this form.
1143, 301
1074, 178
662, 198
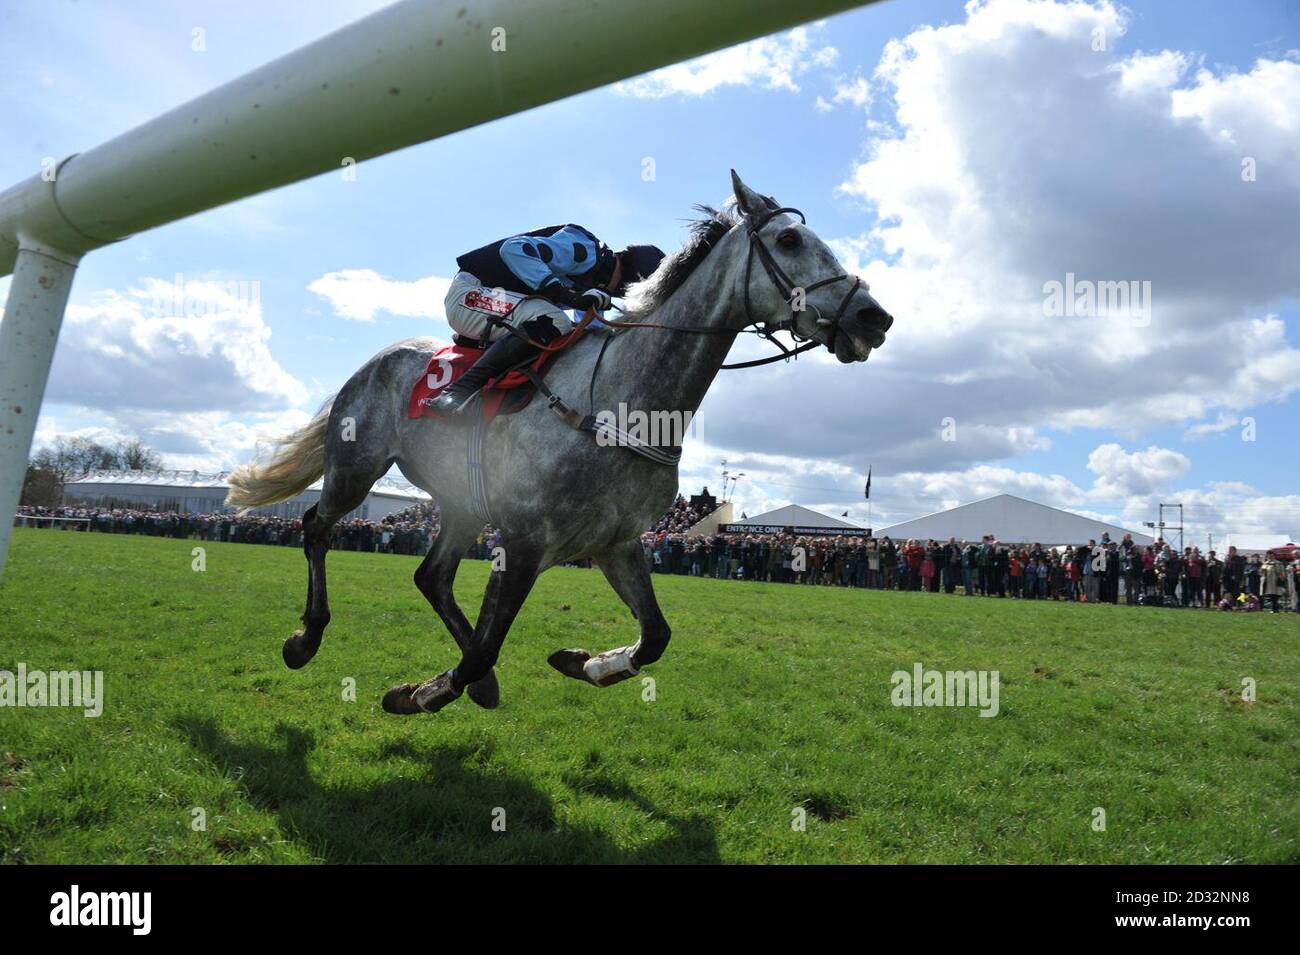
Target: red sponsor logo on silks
487, 303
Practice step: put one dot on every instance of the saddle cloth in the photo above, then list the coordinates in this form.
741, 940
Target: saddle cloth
501, 396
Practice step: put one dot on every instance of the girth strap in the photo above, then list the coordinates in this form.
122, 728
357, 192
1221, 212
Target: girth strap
602, 429
570, 416
478, 496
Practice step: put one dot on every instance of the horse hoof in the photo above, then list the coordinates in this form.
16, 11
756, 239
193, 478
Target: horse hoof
297, 652
433, 695
570, 663
399, 700
485, 692
429, 697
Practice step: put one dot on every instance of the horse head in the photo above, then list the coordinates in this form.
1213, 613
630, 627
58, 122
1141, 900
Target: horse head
800, 285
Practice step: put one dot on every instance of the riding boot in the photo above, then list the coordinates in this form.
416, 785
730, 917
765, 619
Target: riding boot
502, 355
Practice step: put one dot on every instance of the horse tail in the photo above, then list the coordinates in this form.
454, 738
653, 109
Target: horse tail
298, 460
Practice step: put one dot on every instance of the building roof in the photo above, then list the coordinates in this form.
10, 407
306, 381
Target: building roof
1011, 519
1254, 543
795, 515
384, 487
163, 478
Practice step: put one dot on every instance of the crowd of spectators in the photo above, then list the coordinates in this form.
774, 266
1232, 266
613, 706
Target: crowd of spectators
1096, 572
1104, 571
684, 514
411, 531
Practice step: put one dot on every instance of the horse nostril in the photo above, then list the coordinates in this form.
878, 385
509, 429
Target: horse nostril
876, 317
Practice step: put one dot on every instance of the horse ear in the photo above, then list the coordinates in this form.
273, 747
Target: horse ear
749, 201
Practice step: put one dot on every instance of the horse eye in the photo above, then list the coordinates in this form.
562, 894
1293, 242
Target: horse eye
788, 239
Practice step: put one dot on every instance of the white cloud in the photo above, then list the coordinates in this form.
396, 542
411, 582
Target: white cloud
773, 63
1222, 423
1151, 74
360, 294
950, 488
203, 441
188, 369
153, 348
855, 92
1226, 508
1247, 109
1123, 474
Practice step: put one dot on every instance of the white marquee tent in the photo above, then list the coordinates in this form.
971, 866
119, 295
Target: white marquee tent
802, 519
1012, 520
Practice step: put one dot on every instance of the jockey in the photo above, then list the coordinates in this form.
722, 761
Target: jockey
527, 281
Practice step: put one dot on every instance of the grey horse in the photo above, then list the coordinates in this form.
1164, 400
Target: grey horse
556, 493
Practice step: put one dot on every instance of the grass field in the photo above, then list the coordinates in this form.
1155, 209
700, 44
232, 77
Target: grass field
769, 698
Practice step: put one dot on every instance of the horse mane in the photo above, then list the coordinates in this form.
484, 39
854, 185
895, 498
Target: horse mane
646, 296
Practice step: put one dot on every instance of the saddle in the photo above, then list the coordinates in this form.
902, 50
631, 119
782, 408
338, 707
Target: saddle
505, 395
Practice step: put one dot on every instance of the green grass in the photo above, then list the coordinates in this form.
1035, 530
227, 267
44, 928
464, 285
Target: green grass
770, 697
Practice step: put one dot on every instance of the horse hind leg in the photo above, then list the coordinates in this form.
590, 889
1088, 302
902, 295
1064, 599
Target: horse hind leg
624, 566
434, 578
303, 644
343, 489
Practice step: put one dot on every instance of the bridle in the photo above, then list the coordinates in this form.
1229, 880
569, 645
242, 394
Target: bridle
787, 289
785, 286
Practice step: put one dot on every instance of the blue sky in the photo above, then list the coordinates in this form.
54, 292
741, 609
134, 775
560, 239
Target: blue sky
959, 158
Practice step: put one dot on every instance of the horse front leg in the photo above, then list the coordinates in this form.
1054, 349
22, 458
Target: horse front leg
435, 577
507, 590
628, 573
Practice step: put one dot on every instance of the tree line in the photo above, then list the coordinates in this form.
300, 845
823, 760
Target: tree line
68, 458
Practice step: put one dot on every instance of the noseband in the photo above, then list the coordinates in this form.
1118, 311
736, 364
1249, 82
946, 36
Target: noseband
787, 288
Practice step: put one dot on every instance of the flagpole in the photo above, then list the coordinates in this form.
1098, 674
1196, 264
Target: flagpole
866, 491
